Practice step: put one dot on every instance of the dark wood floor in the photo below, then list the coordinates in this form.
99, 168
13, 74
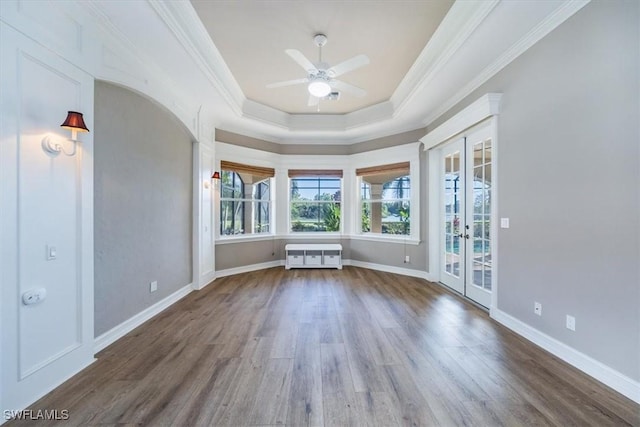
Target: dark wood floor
329, 347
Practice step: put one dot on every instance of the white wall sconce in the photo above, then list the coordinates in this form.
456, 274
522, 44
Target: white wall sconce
75, 123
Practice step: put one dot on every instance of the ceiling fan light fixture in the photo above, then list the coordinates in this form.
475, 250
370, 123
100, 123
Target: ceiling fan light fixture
319, 88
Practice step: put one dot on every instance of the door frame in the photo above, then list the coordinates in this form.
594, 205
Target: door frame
483, 111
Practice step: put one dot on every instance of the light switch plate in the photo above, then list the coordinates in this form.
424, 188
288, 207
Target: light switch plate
52, 252
504, 222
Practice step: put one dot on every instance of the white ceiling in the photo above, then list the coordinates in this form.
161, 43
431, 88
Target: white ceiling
218, 79
252, 38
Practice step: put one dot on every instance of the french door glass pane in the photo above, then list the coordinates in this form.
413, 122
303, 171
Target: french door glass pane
452, 194
481, 276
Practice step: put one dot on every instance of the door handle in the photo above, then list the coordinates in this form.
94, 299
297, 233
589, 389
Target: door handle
465, 236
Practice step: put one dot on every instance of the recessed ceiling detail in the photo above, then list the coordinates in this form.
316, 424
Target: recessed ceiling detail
211, 61
252, 36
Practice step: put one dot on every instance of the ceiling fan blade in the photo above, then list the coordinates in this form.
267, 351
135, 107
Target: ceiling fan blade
287, 83
349, 65
313, 101
346, 87
302, 60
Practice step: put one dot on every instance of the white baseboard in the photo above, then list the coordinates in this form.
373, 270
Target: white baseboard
248, 268
127, 326
386, 268
598, 370
206, 279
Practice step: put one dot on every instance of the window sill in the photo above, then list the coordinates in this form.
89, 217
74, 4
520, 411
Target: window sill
317, 235
244, 238
386, 238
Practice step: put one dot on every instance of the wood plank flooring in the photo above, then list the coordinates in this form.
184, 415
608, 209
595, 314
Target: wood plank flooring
330, 348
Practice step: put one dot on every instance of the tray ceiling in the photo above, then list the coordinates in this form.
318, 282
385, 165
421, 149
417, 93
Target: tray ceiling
252, 38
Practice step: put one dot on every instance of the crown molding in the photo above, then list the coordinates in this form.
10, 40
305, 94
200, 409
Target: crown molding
183, 21
551, 22
459, 23
488, 105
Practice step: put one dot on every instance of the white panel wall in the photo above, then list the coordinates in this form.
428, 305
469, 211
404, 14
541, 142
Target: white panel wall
204, 232
46, 201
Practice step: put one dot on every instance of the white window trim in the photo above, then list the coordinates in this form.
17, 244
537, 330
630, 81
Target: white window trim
402, 153
237, 238
350, 203
252, 202
290, 232
250, 156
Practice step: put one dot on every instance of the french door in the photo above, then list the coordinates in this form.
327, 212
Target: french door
466, 240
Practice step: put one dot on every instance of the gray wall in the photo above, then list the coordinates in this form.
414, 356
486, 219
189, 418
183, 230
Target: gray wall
142, 203
568, 180
320, 149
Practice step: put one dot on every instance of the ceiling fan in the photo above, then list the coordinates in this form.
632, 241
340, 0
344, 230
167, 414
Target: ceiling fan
321, 78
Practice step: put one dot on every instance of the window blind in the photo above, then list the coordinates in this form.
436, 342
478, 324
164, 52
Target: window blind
297, 173
257, 171
402, 167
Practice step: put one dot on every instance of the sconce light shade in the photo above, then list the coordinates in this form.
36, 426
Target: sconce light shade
216, 175
74, 121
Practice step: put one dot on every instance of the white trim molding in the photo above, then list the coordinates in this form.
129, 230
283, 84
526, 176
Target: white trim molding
114, 334
598, 370
487, 106
478, 113
249, 268
386, 268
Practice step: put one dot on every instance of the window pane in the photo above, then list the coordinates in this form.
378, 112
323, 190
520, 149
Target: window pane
239, 214
315, 204
261, 190
397, 188
366, 217
385, 203
386, 218
231, 217
365, 191
261, 217
315, 216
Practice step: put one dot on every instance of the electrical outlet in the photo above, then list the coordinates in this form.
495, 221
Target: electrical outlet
571, 323
153, 286
537, 308
407, 259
